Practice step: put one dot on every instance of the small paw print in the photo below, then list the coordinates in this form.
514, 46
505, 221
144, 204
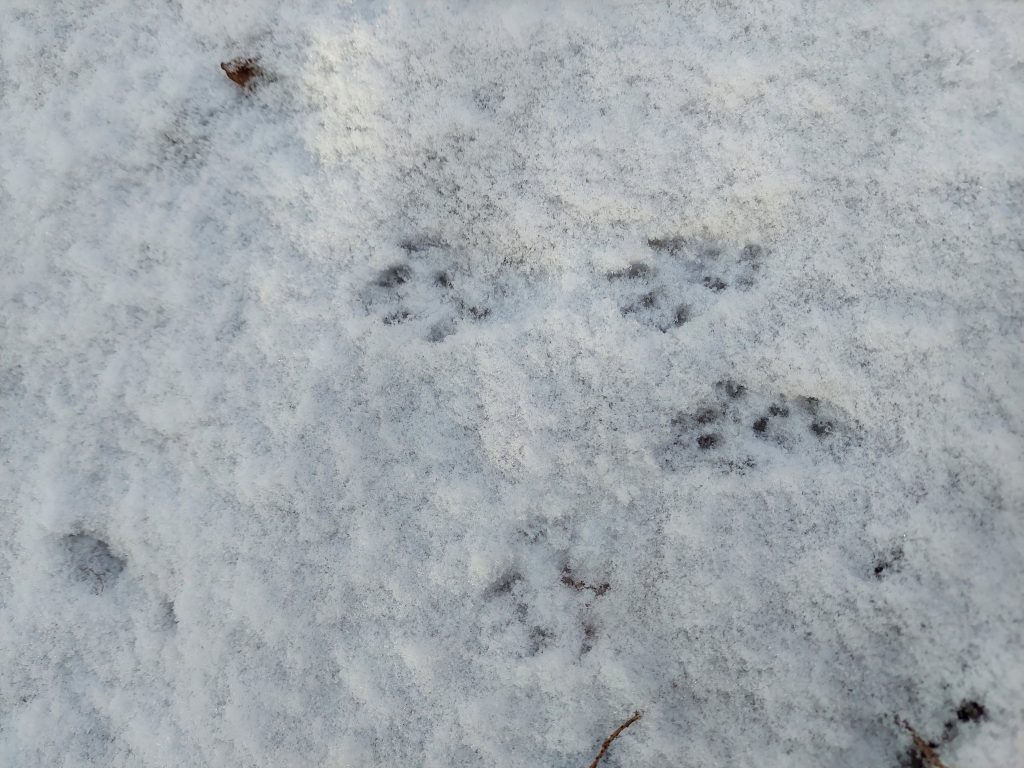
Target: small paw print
739, 429
427, 292
682, 279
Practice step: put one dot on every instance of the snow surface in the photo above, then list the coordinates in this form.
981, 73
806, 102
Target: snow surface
487, 372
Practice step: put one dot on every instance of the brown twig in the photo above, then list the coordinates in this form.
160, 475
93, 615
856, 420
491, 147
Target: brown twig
926, 750
615, 734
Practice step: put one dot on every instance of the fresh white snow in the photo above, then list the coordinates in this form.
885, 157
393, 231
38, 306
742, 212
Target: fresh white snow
486, 372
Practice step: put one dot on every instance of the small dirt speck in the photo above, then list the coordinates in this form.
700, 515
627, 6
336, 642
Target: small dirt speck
634, 271
751, 252
707, 416
970, 712
823, 428
733, 389
396, 317
707, 442
715, 283
398, 274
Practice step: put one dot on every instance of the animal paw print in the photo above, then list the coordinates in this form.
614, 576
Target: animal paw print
740, 429
509, 621
91, 561
589, 591
683, 278
427, 292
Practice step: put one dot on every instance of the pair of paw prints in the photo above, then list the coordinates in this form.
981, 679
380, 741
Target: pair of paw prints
740, 428
683, 278
427, 291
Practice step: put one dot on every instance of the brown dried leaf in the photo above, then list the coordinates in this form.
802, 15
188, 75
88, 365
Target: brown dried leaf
243, 71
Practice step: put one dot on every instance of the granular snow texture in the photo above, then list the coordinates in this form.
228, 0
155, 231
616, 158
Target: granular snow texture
454, 380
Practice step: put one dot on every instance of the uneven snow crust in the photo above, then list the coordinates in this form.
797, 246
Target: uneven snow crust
486, 372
